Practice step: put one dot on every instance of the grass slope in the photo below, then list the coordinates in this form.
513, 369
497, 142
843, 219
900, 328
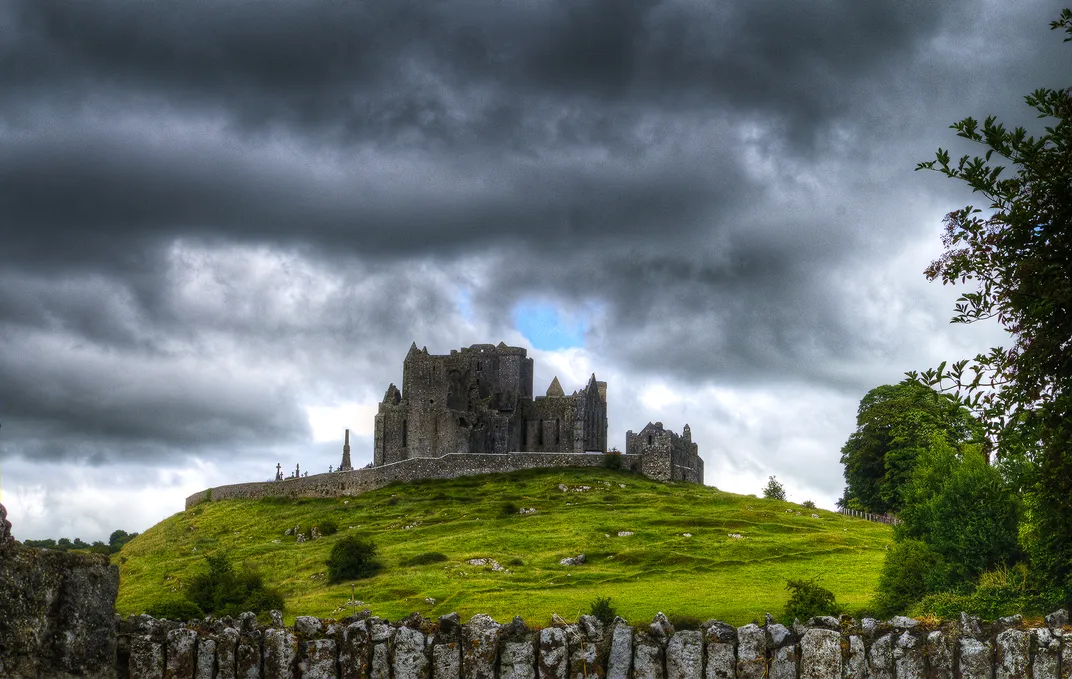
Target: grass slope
655, 569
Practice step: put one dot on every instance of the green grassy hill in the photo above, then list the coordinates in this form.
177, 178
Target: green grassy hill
680, 558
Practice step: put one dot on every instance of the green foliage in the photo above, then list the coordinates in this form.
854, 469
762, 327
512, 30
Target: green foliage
612, 460
119, 538
352, 558
1001, 592
508, 509
425, 558
182, 610
327, 527
774, 490
1016, 258
962, 509
115, 543
895, 423
221, 590
808, 504
809, 599
911, 571
602, 609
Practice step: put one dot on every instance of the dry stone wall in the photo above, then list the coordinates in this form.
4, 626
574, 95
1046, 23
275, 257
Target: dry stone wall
370, 478
365, 647
57, 612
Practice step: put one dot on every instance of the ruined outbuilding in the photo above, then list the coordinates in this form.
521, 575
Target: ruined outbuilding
677, 457
480, 400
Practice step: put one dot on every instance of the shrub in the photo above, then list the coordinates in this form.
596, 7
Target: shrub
223, 591
911, 570
602, 610
509, 509
425, 558
352, 558
327, 527
809, 599
612, 460
808, 503
515, 562
773, 489
182, 610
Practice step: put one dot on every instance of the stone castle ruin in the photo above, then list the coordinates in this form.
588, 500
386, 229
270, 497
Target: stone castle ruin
479, 400
473, 412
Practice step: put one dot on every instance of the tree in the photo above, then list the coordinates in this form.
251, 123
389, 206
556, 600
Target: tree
222, 590
774, 490
895, 423
352, 558
1018, 258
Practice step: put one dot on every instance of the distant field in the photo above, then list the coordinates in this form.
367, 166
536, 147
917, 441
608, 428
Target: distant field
656, 569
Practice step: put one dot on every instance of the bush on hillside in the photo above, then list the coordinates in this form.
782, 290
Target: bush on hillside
809, 599
221, 590
602, 610
327, 527
509, 509
808, 503
612, 460
911, 571
774, 490
352, 558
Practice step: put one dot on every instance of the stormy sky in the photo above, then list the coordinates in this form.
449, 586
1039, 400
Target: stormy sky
223, 223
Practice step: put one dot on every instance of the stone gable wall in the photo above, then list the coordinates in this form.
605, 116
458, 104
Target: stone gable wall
364, 647
370, 478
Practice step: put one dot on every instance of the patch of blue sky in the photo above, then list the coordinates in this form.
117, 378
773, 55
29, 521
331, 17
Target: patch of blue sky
547, 327
465, 304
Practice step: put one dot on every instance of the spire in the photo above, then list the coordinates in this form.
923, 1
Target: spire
345, 466
555, 389
413, 350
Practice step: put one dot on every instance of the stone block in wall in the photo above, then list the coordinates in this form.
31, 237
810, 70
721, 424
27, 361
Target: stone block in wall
380, 665
648, 662
584, 651
620, 657
318, 658
248, 659
856, 662
908, 656
880, 657
206, 659
180, 654
1012, 654
1066, 653
447, 660
820, 654
146, 658
783, 663
940, 650
280, 654
226, 652
684, 655
751, 652
721, 649
480, 647
1046, 664
518, 659
355, 651
976, 659
410, 659
554, 654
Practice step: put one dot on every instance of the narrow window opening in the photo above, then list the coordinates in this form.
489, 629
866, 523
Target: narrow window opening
649, 439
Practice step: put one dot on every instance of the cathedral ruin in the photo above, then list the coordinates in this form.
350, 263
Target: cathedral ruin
480, 400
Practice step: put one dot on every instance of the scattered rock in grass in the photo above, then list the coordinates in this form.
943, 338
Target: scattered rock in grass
527, 510
314, 533
621, 485
625, 533
686, 535
301, 538
736, 536
429, 600
815, 516
573, 489
274, 542
346, 502
289, 531
573, 560
495, 565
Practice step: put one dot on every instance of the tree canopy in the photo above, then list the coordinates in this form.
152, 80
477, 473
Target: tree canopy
1017, 257
895, 423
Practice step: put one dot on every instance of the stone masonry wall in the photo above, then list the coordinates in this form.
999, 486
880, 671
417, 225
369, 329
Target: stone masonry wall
57, 612
370, 478
365, 647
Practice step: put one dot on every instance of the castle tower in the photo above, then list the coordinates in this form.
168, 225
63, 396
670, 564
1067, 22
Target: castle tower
345, 466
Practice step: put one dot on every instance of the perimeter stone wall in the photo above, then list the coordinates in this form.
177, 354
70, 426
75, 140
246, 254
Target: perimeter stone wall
365, 647
360, 481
